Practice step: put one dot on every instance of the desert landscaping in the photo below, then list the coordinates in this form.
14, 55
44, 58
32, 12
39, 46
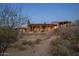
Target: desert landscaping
48, 30
38, 44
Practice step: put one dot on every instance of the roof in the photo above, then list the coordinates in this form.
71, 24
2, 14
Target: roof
64, 22
42, 24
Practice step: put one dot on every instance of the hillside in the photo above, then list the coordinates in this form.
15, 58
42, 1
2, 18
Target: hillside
40, 48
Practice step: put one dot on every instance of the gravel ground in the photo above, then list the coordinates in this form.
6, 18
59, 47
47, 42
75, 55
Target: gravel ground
41, 49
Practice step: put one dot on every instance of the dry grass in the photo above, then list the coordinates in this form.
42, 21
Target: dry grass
67, 44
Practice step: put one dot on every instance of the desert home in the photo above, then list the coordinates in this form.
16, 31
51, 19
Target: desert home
44, 27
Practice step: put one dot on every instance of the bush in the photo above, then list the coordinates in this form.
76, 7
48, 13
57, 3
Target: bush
18, 46
21, 47
60, 47
29, 43
24, 42
37, 41
7, 37
68, 43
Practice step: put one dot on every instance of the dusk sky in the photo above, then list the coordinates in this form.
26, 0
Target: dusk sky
40, 13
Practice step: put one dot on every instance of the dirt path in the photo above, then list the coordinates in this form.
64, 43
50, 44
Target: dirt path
41, 49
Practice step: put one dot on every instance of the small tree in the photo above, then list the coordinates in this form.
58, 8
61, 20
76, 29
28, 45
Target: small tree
9, 20
28, 22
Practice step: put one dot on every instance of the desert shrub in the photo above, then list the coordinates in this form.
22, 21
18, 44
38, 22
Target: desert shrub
24, 42
21, 47
60, 47
29, 43
37, 41
68, 43
18, 46
56, 31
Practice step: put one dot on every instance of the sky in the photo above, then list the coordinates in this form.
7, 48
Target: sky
49, 12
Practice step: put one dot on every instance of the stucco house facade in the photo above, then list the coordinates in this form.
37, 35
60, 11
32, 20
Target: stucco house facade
44, 27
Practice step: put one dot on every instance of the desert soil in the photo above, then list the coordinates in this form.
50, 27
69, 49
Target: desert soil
41, 49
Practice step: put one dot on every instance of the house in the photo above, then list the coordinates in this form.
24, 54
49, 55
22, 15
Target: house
42, 27
45, 27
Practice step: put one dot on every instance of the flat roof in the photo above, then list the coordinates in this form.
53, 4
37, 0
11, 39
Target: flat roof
42, 24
